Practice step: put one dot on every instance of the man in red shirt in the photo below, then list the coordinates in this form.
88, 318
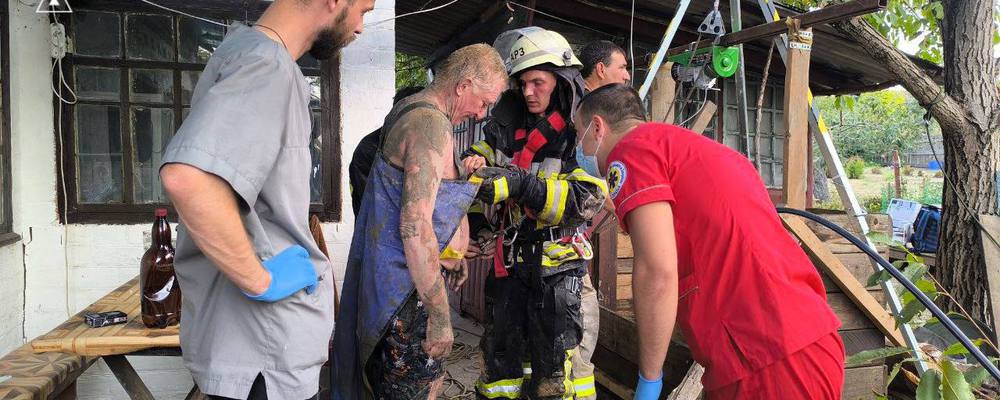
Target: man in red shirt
712, 255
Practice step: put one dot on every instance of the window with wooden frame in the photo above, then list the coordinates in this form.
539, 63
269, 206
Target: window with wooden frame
133, 69
772, 127
6, 212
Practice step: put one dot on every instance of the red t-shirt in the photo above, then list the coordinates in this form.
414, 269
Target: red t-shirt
749, 295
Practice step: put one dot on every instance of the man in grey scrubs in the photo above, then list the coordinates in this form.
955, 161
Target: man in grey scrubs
258, 293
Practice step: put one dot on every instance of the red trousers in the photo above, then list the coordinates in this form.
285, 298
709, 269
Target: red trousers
815, 373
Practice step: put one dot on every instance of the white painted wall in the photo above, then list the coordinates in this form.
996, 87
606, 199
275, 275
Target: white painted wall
12, 295
57, 270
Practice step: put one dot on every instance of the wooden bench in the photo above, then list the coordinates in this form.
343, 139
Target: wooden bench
27, 375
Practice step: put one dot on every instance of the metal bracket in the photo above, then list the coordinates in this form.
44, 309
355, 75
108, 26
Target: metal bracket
712, 25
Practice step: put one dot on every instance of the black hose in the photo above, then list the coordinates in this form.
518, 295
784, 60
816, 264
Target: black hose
926, 301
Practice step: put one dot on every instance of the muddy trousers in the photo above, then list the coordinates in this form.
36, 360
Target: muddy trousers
533, 328
584, 386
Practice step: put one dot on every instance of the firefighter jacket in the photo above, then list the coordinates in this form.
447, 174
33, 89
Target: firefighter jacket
545, 147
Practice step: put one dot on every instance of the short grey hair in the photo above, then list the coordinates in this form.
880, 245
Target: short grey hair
479, 63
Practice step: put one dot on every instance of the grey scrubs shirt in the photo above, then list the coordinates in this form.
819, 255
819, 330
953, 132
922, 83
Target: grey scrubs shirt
250, 125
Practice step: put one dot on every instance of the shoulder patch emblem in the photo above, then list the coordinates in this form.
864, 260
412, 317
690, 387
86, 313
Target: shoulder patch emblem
617, 173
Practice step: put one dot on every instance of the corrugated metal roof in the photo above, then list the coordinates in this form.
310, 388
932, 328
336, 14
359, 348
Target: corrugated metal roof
838, 62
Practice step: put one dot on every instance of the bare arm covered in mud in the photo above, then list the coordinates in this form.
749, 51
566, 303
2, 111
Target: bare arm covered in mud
421, 143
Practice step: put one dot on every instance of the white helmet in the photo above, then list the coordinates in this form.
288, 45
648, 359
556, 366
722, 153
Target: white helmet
531, 46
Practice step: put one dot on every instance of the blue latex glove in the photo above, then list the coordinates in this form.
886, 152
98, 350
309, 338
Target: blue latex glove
647, 389
290, 271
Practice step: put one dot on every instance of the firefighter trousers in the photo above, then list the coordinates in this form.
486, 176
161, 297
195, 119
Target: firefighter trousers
533, 329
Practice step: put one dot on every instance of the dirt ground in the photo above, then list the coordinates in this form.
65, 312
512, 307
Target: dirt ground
465, 360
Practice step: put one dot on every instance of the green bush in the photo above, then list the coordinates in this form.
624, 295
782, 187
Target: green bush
855, 168
939, 174
930, 192
888, 192
920, 173
908, 171
872, 204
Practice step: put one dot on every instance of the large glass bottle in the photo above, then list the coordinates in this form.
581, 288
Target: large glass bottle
161, 294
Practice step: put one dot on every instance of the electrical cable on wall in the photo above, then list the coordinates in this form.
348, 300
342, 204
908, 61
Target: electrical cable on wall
411, 13
558, 18
183, 13
58, 30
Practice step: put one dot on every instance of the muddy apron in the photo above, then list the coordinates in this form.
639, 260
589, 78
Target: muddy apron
377, 282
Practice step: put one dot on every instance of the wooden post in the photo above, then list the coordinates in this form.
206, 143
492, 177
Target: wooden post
796, 116
690, 388
895, 171
129, 380
606, 258
704, 118
992, 253
661, 95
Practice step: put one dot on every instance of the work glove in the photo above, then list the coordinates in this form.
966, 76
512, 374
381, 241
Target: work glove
290, 271
647, 389
499, 184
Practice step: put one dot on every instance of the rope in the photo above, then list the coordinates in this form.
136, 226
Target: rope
455, 389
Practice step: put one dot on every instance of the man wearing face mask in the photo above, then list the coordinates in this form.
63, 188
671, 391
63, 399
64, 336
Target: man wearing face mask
542, 248
258, 292
711, 254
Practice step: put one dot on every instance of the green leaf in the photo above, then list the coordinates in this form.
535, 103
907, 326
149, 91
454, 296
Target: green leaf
892, 375
937, 9
957, 348
877, 278
868, 356
913, 273
953, 384
913, 258
930, 386
910, 310
880, 238
976, 376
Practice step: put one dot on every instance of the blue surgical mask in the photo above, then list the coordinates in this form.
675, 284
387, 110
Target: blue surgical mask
585, 161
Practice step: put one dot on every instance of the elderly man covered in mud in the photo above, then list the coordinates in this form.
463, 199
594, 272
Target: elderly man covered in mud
394, 327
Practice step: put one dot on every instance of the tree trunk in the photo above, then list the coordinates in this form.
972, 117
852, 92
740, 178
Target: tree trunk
972, 152
967, 111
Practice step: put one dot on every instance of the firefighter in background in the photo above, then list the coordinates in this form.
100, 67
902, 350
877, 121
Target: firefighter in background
542, 240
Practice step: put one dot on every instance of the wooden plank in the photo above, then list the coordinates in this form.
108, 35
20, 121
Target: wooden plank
624, 245
851, 317
992, 254
690, 388
661, 95
796, 123
127, 376
704, 117
74, 336
829, 264
612, 385
857, 264
605, 245
858, 340
863, 383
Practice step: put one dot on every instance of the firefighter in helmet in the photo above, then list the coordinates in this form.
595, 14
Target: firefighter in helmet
528, 163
